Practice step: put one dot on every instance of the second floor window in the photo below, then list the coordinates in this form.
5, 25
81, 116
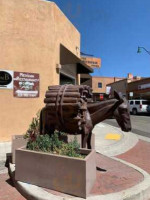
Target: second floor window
99, 85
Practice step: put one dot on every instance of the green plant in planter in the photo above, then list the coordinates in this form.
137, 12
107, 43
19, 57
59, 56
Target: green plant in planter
34, 128
54, 143
71, 149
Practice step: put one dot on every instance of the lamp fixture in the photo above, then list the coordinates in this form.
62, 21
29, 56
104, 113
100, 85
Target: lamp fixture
139, 50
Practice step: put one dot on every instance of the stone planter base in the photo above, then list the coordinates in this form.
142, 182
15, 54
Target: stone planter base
61, 173
17, 142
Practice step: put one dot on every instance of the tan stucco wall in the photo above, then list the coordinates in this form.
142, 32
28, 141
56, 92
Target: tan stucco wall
120, 86
30, 35
104, 81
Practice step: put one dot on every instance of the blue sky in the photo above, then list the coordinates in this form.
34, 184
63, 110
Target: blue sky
112, 30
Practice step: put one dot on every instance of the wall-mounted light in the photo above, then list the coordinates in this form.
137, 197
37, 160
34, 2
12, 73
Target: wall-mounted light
77, 50
58, 66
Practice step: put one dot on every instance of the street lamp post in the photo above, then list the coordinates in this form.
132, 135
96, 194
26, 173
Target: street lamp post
139, 50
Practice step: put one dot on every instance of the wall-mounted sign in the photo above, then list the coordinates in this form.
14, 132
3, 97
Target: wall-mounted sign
26, 85
131, 94
6, 79
91, 61
101, 96
108, 90
144, 86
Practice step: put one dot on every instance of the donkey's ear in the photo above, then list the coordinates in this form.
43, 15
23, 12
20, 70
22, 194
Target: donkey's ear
118, 95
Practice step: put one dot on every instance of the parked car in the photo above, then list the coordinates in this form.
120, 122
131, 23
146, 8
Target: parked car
139, 106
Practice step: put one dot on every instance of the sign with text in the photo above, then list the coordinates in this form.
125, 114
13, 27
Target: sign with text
144, 86
26, 85
91, 61
6, 79
101, 96
131, 94
108, 90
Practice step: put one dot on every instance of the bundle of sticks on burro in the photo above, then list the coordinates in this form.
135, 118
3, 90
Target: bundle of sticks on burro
65, 109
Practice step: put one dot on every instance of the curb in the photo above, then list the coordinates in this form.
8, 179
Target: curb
5, 147
127, 141
30, 192
146, 139
140, 191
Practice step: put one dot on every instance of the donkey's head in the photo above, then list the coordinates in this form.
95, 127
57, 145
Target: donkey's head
122, 112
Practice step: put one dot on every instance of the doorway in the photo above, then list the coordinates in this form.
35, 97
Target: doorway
64, 79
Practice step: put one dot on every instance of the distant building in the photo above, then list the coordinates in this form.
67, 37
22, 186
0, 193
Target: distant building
98, 84
120, 86
132, 87
139, 89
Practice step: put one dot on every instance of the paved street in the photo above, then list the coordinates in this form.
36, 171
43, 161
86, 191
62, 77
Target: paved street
140, 124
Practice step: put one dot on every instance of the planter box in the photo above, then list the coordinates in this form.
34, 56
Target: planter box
17, 142
61, 173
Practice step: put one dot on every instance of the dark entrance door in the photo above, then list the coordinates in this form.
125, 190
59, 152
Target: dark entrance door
66, 80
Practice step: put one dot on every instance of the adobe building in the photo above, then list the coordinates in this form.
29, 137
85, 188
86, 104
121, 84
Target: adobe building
120, 86
139, 89
39, 47
98, 84
132, 87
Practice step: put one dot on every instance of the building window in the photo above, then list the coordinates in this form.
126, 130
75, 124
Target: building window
99, 85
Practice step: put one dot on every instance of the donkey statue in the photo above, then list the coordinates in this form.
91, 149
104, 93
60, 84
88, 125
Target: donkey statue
68, 109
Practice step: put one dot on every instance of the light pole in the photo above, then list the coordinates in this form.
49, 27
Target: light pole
139, 50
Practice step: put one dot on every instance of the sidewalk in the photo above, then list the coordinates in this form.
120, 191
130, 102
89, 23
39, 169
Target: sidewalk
124, 156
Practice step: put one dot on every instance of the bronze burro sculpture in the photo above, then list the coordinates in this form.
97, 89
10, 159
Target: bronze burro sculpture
69, 108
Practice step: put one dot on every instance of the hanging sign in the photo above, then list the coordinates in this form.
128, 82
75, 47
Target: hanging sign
6, 79
91, 61
26, 85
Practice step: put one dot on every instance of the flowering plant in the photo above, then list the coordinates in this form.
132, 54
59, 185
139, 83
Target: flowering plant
34, 128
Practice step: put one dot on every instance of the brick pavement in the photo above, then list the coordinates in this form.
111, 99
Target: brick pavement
7, 191
139, 155
117, 177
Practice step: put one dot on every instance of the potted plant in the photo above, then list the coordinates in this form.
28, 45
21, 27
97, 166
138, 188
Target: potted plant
21, 140
49, 162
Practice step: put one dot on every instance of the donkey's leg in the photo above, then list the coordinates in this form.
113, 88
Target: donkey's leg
89, 140
84, 140
85, 135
